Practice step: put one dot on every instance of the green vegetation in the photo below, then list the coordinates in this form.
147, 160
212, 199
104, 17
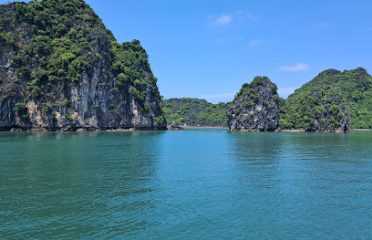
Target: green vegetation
159, 120
20, 106
21, 110
56, 43
255, 107
130, 67
327, 99
252, 90
195, 112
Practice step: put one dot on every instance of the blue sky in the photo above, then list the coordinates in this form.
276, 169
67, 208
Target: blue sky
208, 49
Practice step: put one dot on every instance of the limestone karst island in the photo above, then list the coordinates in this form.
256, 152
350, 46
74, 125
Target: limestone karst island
185, 120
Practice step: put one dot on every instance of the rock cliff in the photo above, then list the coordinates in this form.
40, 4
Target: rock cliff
332, 101
255, 107
60, 68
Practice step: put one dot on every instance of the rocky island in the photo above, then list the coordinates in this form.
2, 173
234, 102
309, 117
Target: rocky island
333, 101
61, 69
255, 107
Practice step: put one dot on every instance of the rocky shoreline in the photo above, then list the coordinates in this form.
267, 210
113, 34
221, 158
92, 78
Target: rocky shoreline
169, 128
22, 129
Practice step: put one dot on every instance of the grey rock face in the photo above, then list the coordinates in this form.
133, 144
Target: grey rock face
255, 107
86, 105
95, 101
327, 119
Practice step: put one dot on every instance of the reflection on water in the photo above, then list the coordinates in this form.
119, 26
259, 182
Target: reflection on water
73, 185
306, 185
194, 184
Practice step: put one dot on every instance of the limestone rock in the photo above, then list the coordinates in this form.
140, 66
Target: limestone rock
255, 107
65, 71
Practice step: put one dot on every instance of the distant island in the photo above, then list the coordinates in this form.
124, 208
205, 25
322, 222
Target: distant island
194, 112
61, 69
332, 101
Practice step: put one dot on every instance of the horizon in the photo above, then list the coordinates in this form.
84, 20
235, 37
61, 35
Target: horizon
209, 50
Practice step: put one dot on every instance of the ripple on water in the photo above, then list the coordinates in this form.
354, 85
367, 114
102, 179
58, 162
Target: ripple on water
198, 184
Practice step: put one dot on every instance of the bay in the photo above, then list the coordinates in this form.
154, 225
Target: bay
193, 184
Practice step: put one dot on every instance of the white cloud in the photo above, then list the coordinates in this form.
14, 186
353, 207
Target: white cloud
226, 19
223, 20
298, 67
286, 91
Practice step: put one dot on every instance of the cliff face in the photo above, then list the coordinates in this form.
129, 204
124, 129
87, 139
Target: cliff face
332, 101
255, 107
60, 68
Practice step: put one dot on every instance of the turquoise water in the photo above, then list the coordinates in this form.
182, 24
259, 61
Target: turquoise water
194, 184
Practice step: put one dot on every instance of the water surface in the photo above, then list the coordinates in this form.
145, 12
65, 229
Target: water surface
194, 184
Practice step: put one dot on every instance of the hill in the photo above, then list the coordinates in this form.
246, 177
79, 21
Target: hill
60, 68
255, 107
195, 112
332, 100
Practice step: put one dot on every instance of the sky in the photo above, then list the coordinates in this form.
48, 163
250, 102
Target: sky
208, 49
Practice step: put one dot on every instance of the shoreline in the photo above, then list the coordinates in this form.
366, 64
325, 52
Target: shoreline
281, 130
205, 127
78, 130
81, 130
